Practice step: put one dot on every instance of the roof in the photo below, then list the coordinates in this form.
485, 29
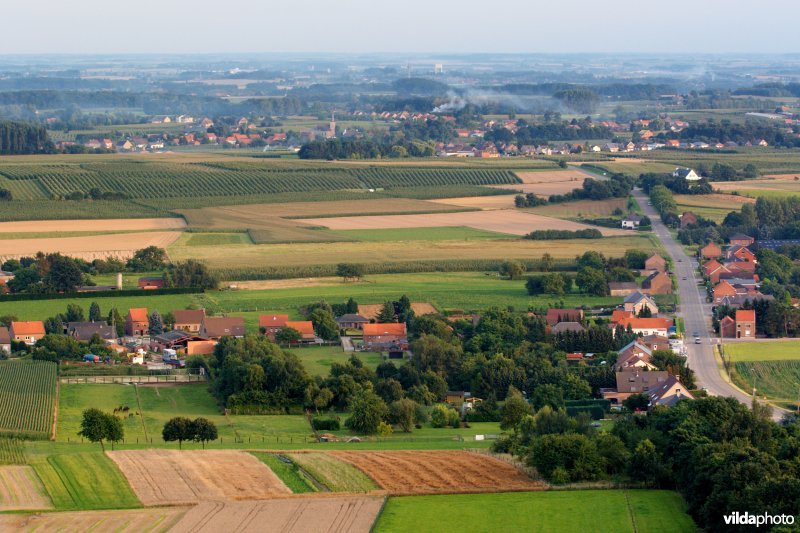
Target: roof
272, 321
711, 266
638, 381
622, 285
352, 317
740, 237
619, 314
656, 257
384, 329
649, 280
138, 314
636, 344
646, 323
305, 327
562, 327
726, 319
660, 394
221, 326
745, 315
85, 330
173, 336
189, 316
5, 336
557, 315
35, 327
636, 297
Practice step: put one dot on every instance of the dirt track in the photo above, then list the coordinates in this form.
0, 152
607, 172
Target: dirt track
20, 488
341, 514
438, 472
134, 521
111, 224
164, 477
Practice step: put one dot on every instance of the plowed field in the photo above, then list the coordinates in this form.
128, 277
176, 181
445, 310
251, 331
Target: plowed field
153, 520
163, 477
438, 472
345, 514
20, 488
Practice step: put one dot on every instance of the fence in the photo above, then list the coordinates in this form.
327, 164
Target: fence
174, 378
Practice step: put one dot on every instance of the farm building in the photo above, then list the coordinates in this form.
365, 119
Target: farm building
352, 321
380, 337
622, 288
657, 283
554, 316
271, 324
151, 283
217, 327
306, 329
137, 322
200, 347
189, 320
27, 332
5, 340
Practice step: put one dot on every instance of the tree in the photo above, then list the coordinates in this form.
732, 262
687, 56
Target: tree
547, 395
386, 313
514, 410
350, 271
384, 429
97, 426
24, 280
553, 283
546, 262
645, 464
351, 306
115, 432
64, 275
403, 413
74, 313
94, 312
368, 410
512, 269
324, 324
116, 320
645, 312
592, 259
636, 402
203, 430
156, 324
287, 336
148, 259
192, 273
592, 281
178, 429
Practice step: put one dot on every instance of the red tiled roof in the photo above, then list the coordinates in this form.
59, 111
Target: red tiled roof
384, 329
745, 315
35, 327
646, 323
272, 321
305, 327
189, 316
138, 314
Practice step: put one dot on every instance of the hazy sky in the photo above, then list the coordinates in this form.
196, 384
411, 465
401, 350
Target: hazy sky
435, 26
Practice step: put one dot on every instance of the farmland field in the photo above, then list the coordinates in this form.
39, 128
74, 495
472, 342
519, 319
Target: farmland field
505, 201
20, 488
442, 233
778, 380
159, 519
27, 398
333, 473
342, 514
11, 452
580, 208
763, 351
442, 472
108, 225
92, 247
290, 474
161, 477
585, 510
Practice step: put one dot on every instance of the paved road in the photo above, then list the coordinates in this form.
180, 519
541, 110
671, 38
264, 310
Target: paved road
696, 313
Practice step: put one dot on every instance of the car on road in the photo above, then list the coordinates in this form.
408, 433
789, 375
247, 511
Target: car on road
697, 340
680, 260
684, 278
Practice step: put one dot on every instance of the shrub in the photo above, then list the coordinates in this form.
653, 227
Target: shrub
326, 424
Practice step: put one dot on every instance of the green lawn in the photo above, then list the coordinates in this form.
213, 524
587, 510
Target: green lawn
318, 359
423, 234
590, 510
763, 351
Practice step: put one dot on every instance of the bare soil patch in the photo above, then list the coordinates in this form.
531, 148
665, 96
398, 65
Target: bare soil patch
438, 472
121, 245
133, 521
20, 488
331, 514
371, 311
112, 224
501, 221
163, 477
550, 176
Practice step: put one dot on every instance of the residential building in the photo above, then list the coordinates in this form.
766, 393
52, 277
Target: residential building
655, 342
745, 324
634, 355
686, 173
635, 382
352, 321
711, 251
631, 221
27, 332
379, 337
713, 269
737, 252
563, 327
688, 219
669, 392
741, 239
137, 322
217, 327
554, 316
270, 325
722, 290
5, 340
84, 331
189, 320
727, 328
305, 328
647, 326
655, 263
637, 301
622, 288
657, 283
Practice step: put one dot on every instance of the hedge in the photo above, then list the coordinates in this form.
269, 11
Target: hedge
596, 412
325, 424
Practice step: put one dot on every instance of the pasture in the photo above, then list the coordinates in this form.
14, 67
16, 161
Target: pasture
27, 398
632, 511
788, 350
318, 359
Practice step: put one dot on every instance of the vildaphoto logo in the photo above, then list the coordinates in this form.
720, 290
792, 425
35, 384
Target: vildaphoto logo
758, 520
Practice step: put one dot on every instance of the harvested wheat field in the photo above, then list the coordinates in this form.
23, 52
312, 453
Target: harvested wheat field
544, 189
438, 472
121, 245
371, 311
154, 520
501, 221
110, 224
164, 477
550, 176
20, 488
505, 201
331, 514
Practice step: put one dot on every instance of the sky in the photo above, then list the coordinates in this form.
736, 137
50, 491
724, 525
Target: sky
408, 26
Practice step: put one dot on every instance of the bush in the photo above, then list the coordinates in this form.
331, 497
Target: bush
551, 234
596, 412
326, 424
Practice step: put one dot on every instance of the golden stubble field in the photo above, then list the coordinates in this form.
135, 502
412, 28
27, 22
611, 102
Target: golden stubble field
121, 245
20, 488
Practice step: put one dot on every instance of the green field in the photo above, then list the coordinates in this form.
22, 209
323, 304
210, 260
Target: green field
11, 452
85, 480
423, 234
779, 381
290, 474
590, 510
763, 351
333, 473
27, 398
318, 359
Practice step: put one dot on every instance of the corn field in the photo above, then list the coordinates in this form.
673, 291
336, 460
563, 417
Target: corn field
27, 398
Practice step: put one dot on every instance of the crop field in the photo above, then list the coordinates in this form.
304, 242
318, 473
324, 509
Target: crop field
505, 201
712, 206
552, 176
27, 398
580, 208
11, 452
157, 519
442, 233
212, 239
635, 166
107, 225
502, 221
161, 477
777, 380
85, 480
440, 472
763, 351
20, 489
341, 514
642, 511
335, 474
288, 471
121, 245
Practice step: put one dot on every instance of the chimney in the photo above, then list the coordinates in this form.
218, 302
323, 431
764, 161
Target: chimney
119, 280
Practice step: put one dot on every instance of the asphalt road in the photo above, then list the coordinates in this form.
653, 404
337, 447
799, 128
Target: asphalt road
696, 313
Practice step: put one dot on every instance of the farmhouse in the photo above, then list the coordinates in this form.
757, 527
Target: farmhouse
137, 323
686, 173
352, 321
217, 327
27, 332
657, 283
554, 316
637, 301
189, 320
306, 329
270, 325
380, 337
84, 331
5, 340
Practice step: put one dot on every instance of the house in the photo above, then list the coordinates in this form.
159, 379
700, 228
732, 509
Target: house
352, 321
688, 219
647, 326
745, 324
554, 316
189, 320
737, 252
686, 173
622, 288
379, 337
655, 263
711, 251
727, 328
637, 301
631, 221
455, 397
669, 392
743, 269
713, 269
741, 239
305, 328
617, 315
84, 331
217, 327
634, 355
737, 301
563, 327
137, 322
200, 347
635, 382
723, 290
270, 325
5, 340
655, 342
27, 332
657, 283
742, 282
151, 283
611, 147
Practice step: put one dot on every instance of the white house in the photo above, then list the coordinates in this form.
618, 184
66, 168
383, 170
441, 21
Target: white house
686, 173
